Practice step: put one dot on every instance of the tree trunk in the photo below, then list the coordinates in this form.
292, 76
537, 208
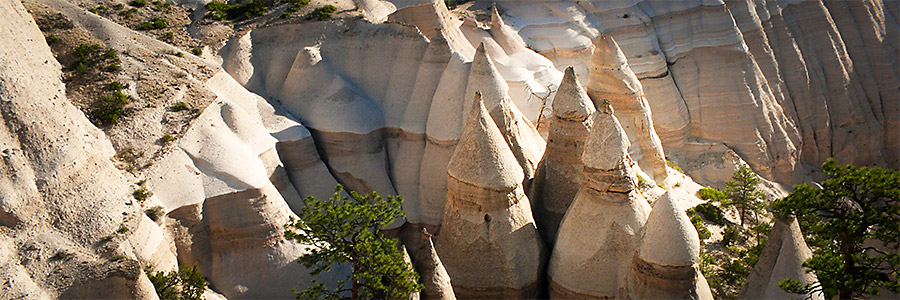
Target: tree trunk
355, 288
844, 292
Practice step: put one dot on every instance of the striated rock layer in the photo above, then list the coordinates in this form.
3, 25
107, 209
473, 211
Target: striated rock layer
488, 242
665, 265
782, 257
782, 83
611, 79
558, 179
599, 233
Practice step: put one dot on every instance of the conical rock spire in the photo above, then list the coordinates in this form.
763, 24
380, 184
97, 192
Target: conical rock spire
482, 145
433, 275
561, 165
488, 242
598, 235
612, 79
571, 101
782, 257
665, 264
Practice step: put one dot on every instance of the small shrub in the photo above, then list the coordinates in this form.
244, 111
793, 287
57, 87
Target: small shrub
697, 221
672, 165
179, 106
162, 5
117, 257
711, 194
137, 3
285, 15
197, 51
170, 35
116, 86
168, 138
186, 283
730, 235
141, 194
122, 229
154, 213
155, 23
111, 107
119, 6
221, 11
711, 213
128, 14
52, 39
322, 13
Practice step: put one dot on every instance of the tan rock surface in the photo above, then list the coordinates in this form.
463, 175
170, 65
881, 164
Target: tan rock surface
665, 264
782, 257
433, 274
559, 176
600, 231
488, 213
612, 79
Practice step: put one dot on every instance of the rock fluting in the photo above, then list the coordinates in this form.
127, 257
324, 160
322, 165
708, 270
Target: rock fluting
560, 167
782, 257
612, 79
598, 235
432, 272
488, 241
665, 265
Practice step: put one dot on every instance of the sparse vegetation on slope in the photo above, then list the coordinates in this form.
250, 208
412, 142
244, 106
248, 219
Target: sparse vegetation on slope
322, 13
219, 10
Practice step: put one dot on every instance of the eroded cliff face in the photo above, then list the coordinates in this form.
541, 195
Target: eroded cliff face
290, 109
782, 83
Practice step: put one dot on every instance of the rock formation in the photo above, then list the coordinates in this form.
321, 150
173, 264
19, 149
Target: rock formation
432, 272
803, 74
521, 136
560, 167
598, 234
62, 201
665, 264
612, 79
488, 213
782, 257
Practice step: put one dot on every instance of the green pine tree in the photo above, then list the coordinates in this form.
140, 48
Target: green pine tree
348, 231
852, 223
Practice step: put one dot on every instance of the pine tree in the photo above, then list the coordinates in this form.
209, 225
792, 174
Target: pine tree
348, 231
744, 193
852, 223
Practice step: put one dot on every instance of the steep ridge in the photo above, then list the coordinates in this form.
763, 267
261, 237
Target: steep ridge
792, 72
63, 201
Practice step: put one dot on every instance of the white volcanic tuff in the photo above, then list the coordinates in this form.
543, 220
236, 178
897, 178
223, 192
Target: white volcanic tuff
612, 79
435, 21
521, 136
488, 213
782, 257
558, 177
237, 236
665, 264
524, 70
796, 64
61, 194
599, 233
442, 134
